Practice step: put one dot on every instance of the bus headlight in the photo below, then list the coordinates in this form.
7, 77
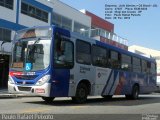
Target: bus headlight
10, 80
43, 80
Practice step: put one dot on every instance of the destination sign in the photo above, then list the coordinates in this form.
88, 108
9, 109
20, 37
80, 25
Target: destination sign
33, 33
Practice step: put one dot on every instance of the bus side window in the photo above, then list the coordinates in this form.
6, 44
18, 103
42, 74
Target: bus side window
114, 60
58, 40
149, 67
99, 56
126, 62
83, 52
153, 69
136, 65
59, 48
144, 66
63, 52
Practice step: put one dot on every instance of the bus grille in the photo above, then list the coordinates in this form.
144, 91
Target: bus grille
26, 83
26, 77
24, 88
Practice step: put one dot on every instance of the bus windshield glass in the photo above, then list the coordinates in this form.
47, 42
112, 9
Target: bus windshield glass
31, 50
31, 55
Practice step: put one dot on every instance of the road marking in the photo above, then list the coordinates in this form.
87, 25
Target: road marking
35, 110
78, 107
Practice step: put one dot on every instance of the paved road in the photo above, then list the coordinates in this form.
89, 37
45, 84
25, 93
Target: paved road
146, 106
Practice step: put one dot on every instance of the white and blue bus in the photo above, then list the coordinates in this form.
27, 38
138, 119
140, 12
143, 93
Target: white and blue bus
53, 62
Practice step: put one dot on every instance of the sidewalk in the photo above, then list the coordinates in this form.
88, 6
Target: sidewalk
4, 94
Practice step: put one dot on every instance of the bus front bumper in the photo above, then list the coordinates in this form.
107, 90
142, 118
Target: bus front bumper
43, 90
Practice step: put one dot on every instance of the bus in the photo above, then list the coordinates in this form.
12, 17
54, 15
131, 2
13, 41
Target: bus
49, 62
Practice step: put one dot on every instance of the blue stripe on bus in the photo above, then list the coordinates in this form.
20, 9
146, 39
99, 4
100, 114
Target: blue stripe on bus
109, 78
62, 31
115, 76
60, 83
39, 74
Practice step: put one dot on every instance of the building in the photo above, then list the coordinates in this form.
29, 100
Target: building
148, 53
19, 14
103, 30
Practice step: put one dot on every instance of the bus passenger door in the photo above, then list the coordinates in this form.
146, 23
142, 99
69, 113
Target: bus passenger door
63, 55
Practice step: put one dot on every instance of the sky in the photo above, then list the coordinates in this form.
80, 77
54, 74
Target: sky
143, 30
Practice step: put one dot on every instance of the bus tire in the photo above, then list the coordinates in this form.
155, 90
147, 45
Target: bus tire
48, 99
81, 94
128, 97
107, 97
135, 93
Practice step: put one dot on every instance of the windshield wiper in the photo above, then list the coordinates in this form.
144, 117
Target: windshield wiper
38, 39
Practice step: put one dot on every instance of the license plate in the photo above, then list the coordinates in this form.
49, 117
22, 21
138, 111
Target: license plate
40, 90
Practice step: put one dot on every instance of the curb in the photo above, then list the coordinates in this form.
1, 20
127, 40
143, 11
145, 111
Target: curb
3, 96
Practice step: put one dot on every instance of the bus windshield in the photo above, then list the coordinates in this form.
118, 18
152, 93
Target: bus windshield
31, 54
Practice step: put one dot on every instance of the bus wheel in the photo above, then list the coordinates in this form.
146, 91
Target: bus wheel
128, 97
48, 99
107, 97
81, 94
135, 93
